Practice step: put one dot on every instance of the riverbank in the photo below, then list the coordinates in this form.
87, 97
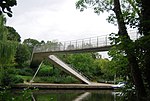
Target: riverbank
92, 86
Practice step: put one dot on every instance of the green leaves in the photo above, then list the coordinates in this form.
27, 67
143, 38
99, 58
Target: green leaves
7, 48
130, 10
99, 6
6, 5
13, 35
22, 55
7, 52
80, 5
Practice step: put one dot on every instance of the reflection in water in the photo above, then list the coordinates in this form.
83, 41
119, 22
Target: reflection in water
33, 99
82, 96
74, 95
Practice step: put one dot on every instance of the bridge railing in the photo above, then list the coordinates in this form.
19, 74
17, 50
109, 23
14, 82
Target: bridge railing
78, 71
55, 58
92, 42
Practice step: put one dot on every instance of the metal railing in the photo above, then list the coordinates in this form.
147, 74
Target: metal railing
73, 68
92, 42
79, 72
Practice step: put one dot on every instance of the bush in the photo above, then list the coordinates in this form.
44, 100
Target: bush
45, 71
18, 79
9, 77
26, 71
54, 79
70, 79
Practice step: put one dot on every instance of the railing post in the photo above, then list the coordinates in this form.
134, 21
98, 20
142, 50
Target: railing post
76, 43
90, 42
64, 45
70, 46
82, 43
59, 46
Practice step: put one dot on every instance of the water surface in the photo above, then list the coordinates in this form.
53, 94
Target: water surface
75, 95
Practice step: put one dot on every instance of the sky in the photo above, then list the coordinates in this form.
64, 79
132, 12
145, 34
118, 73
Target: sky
57, 20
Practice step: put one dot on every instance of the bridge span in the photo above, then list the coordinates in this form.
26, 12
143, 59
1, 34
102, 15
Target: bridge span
92, 44
47, 51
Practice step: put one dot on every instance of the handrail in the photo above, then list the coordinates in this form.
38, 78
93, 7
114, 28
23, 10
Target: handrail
79, 72
73, 69
92, 42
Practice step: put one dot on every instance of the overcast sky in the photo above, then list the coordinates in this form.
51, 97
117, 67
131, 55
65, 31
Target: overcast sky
57, 20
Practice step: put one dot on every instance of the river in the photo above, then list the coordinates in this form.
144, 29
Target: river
75, 95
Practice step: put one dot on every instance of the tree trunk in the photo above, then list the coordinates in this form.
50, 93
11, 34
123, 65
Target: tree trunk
145, 20
129, 50
145, 29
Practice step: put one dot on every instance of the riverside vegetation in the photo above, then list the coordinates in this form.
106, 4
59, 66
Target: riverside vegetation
130, 59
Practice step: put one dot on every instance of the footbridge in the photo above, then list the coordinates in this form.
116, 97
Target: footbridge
92, 44
47, 51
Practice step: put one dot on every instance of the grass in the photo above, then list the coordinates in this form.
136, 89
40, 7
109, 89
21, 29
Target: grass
52, 79
25, 78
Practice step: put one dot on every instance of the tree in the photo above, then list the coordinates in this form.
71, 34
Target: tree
22, 56
5, 6
13, 35
133, 13
103, 69
7, 48
7, 51
120, 63
85, 63
144, 29
31, 43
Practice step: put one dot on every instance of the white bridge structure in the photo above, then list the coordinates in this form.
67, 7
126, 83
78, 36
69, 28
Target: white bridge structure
48, 51
99, 43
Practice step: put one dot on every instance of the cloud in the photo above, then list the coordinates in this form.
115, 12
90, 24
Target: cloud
57, 19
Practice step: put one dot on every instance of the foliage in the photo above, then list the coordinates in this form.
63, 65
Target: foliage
13, 35
25, 71
130, 10
90, 65
45, 70
5, 6
7, 48
82, 62
132, 13
24, 95
22, 56
9, 77
55, 79
31, 43
120, 63
7, 53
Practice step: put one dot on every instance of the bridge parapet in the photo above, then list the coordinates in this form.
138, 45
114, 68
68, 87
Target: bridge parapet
92, 42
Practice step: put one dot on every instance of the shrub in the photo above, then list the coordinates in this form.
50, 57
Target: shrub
70, 79
9, 78
45, 71
26, 71
54, 79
